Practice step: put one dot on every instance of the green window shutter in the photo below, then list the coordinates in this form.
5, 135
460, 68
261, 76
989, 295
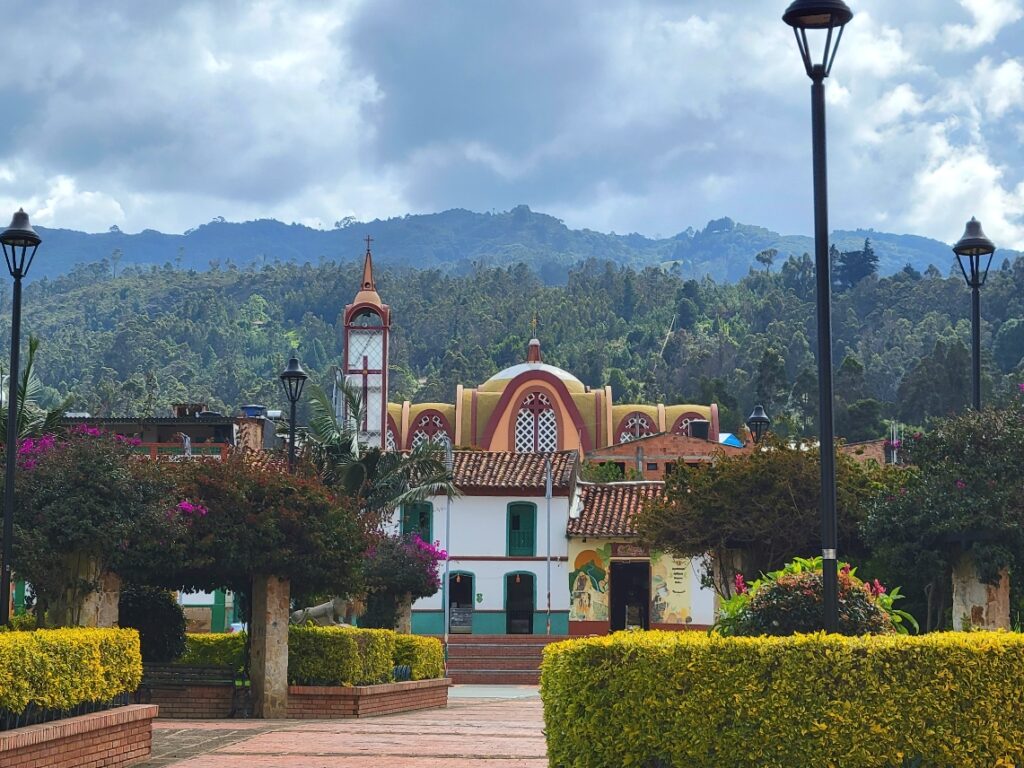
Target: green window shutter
418, 518
521, 530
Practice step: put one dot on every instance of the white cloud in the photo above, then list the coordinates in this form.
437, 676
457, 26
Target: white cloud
990, 18
1001, 87
64, 205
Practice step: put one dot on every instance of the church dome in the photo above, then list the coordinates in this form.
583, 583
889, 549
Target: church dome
533, 364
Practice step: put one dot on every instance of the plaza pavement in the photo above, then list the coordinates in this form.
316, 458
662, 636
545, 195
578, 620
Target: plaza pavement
497, 726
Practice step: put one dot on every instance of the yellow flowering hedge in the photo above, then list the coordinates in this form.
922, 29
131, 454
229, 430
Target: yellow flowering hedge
423, 655
62, 668
951, 700
340, 655
214, 650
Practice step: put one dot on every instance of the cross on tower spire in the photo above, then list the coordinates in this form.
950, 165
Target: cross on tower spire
368, 241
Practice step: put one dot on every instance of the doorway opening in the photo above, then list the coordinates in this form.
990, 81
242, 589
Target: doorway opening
519, 592
630, 595
460, 603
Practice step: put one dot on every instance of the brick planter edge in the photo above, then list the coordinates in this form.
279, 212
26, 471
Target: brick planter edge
335, 701
112, 738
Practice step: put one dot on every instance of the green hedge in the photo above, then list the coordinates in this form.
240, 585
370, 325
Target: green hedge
340, 656
423, 655
205, 650
687, 699
62, 668
316, 655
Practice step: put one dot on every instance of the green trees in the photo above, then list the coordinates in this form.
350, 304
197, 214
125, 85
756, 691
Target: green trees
757, 511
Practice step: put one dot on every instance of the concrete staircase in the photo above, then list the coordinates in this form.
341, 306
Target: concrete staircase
497, 659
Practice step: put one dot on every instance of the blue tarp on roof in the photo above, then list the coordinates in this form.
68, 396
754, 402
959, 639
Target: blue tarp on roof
728, 438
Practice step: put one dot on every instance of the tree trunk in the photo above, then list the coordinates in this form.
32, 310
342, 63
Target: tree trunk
403, 616
975, 603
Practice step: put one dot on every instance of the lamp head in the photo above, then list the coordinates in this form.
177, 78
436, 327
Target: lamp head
974, 242
829, 15
19, 242
758, 423
293, 378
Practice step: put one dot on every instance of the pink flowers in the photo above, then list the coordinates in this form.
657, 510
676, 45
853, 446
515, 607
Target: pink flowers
1020, 387
875, 587
85, 429
132, 441
186, 507
741, 584
960, 484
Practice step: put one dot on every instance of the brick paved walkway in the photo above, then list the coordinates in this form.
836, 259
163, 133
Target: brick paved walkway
470, 733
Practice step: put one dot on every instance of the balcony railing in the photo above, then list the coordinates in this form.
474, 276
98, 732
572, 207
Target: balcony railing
174, 450
521, 543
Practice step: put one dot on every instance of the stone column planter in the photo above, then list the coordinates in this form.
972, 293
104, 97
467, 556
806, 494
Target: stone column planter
975, 603
268, 660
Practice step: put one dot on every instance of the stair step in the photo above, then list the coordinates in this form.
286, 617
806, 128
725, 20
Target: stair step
473, 664
494, 677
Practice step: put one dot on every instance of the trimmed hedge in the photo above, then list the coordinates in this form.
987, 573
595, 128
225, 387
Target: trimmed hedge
665, 699
340, 656
316, 655
62, 668
423, 655
205, 650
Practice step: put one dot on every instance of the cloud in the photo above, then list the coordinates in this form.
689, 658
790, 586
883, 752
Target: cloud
990, 18
1001, 87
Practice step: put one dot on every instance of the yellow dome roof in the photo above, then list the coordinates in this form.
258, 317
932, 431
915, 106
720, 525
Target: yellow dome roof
498, 381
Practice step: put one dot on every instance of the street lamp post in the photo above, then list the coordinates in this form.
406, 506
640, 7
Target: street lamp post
830, 17
970, 250
19, 243
293, 379
758, 423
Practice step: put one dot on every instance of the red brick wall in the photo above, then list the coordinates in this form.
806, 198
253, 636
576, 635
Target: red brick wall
104, 739
190, 702
316, 702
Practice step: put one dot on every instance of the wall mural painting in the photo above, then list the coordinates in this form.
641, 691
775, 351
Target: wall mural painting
670, 589
588, 583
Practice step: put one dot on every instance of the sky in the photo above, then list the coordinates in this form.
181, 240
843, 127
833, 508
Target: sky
613, 115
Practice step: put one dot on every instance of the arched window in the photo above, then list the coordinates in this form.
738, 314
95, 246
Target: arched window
682, 424
418, 517
634, 426
430, 427
536, 424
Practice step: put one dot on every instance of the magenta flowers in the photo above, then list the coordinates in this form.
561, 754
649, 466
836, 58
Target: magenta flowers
186, 507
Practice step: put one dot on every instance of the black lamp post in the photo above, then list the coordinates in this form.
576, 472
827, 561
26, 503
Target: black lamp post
293, 379
19, 243
828, 17
758, 423
970, 250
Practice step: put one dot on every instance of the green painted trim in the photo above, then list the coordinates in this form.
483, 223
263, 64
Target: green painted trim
559, 622
428, 622
217, 612
508, 529
19, 596
489, 623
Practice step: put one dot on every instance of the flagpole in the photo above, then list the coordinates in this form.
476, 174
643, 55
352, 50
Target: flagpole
547, 495
449, 463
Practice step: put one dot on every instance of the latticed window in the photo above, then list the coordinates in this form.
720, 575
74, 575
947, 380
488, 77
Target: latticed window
430, 428
682, 425
536, 424
390, 443
635, 426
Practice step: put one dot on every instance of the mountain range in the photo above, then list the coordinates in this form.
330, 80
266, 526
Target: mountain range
454, 240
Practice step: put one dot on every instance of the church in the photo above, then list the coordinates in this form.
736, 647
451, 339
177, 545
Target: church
533, 548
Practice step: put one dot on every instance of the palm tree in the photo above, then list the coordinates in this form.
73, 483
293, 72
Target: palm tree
381, 480
33, 419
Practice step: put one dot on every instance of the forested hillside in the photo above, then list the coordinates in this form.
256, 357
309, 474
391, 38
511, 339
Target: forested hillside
457, 241
140, 340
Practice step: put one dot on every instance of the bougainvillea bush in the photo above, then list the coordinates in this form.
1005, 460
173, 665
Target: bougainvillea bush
396, 567
789, 600
245, 516
83, 501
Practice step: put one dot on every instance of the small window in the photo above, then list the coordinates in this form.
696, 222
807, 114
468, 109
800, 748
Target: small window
622, 467
418, 518
652, 466
521, 526
670, 467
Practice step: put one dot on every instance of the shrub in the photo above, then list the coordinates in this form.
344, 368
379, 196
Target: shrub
877, 701
340, 656
62, 668
215, 651
397, 566
159, 619
423, 655
790, 600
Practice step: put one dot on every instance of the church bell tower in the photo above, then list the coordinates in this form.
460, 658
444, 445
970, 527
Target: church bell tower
365, 369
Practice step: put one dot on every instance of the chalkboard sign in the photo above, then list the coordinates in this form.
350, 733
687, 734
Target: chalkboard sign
461, 620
